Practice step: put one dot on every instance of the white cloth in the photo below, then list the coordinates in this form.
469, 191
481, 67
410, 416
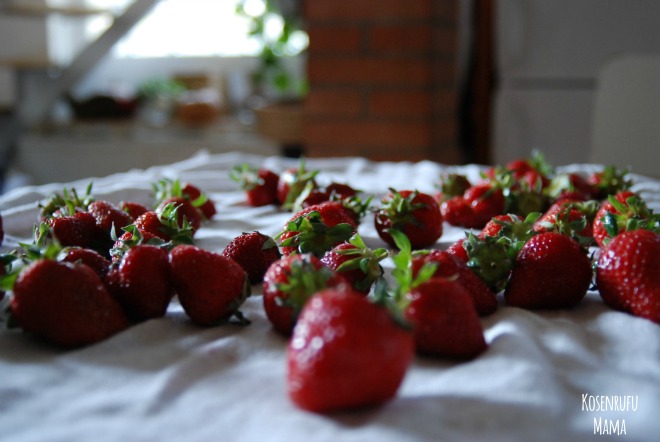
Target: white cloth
169, 380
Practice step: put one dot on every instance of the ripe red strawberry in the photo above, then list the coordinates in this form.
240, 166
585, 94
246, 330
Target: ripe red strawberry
346, 352
451, 267
486, 200
622, 211
494, 226
289, 283
255, 252
317, 229
628, 275
165, 223
571, 218
260, 185
571, 186
141, 282
133, 209
356, 262
475, 207
200, 200
210, 286
185, 212
174, 190
108, 217
444, 320
415, 214
440, 310
65, 304
97, 262
551, 271
78, 229
458, 250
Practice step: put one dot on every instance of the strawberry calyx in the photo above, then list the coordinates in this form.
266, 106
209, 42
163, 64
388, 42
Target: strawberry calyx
453, 184
355, 204
311, 235
491, 258
516, 231
363, 258
66, 203
633, 214
304, 279
301, 179
610, 181
247, 176
172, 188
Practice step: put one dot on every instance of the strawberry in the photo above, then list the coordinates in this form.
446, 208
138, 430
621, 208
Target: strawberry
165, 223
108, 218
440, 311
186, 212
65, 304
458, 250
198, 206
210, 286
260, 185
449, 266
356, 262
444, 320
141, 282
415, 214
345, 353
317, 229
289, 283
622, 211
628, 276
571, 218
551, 271
97, 262
255, 252
133, 209
200, 200
78, 229
475, 207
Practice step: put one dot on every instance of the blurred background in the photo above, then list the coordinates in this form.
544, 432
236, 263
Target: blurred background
93, 87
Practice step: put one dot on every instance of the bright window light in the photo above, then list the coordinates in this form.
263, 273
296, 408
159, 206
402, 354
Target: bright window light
185, 28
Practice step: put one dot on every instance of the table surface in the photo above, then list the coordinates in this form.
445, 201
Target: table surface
547, 375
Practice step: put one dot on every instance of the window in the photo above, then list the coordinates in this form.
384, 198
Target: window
182, 28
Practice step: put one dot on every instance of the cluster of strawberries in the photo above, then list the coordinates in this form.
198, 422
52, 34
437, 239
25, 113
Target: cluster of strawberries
532, 237
352, 329
95, 268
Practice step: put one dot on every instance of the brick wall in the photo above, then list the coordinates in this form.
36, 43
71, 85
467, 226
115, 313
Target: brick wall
382, 79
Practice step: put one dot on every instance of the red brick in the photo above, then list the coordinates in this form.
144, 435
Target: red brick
411, 134
370, 71
401, 38
417, 103
334, 102
341, 38
367, 9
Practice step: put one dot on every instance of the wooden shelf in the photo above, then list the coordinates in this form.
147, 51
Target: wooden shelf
27, 63
42, 10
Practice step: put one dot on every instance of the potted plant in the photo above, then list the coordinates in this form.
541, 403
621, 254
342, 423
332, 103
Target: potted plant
277, 25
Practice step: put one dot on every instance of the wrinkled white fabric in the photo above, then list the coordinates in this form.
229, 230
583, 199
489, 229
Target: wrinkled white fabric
169, 380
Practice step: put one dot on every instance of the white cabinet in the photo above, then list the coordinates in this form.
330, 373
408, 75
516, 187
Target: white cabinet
548, 54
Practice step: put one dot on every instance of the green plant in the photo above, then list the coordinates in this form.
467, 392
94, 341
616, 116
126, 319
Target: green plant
277, 25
